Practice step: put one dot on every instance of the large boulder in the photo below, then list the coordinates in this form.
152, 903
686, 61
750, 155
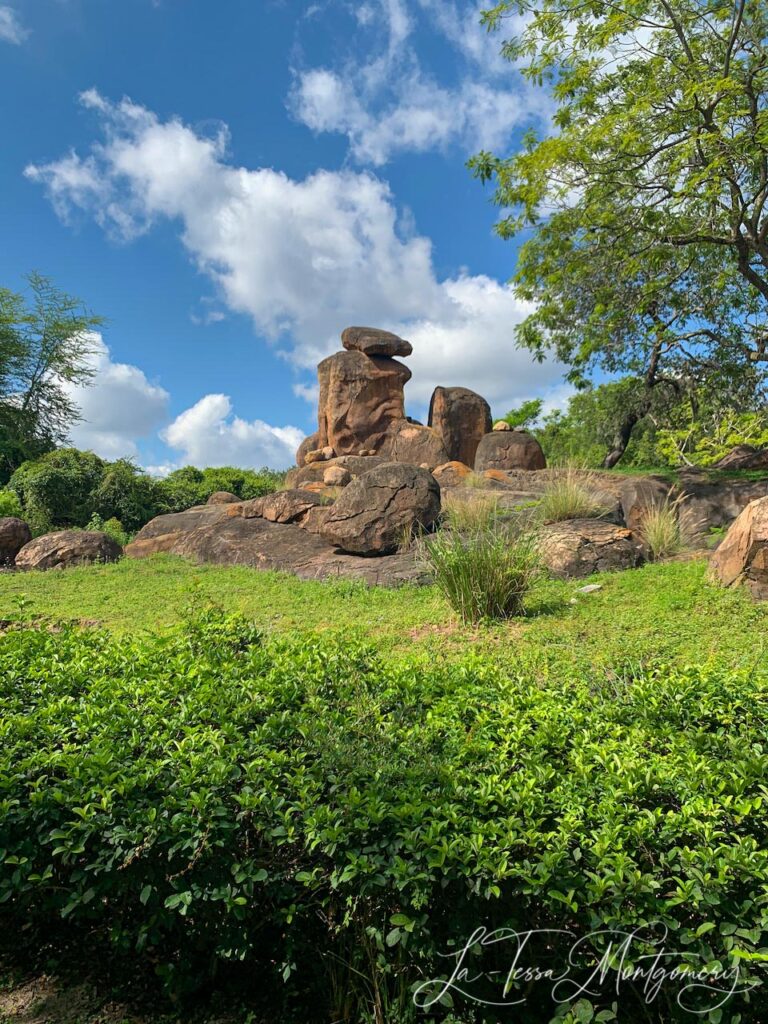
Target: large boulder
744, 456
743, 555
160, 533
309, 444
415, 445
374, 342
222, 498
580, 547
378, 509
67, 548
461, 418
361, 397
14, 534
639, 494
513, 449
712, 503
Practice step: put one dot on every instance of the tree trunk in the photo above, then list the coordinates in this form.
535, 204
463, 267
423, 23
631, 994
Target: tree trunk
622, 439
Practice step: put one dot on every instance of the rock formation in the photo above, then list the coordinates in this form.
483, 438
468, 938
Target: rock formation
14, 534
743, 555
513, 449
67, 548
461, 418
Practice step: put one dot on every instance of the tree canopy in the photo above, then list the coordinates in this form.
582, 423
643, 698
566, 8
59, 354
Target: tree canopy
45, 344
645, 209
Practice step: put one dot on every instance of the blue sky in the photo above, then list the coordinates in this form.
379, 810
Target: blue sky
231, 184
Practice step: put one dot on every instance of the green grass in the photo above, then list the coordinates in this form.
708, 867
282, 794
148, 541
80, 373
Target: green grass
664, 610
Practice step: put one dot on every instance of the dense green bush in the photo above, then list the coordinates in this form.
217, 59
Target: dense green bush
9, 503
342, 823
67, 487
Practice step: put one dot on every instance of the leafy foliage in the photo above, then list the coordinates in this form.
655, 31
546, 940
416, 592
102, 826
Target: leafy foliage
339, 821
45, 344
524, 416
9, 503
648, 253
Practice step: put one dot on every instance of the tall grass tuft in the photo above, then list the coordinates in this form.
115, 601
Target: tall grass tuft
570, 494
468, 510
483, 573
661, 530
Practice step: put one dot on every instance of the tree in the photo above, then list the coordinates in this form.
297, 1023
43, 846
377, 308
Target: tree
525, 415
45, 344
649, 250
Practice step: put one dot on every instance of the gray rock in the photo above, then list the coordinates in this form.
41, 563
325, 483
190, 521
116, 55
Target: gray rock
581, 547
68, 548
14, 534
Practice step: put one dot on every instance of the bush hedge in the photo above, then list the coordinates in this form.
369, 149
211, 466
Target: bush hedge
68, 487
340, 824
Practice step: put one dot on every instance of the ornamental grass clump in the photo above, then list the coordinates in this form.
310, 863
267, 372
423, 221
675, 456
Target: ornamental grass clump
484, 573
570, 494
661, 530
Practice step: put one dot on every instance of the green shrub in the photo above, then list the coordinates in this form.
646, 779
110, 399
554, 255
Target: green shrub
660, 528
113, 527
58, 488
328, 818
190, 486
9, 503
570, 494
127, 493
483, 573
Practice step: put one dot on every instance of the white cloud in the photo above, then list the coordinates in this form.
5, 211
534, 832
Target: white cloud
207, 434
302, 258
11, 29
118, 407
389, 103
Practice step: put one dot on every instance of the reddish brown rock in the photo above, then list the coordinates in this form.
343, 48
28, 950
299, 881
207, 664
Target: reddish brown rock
743, 555
159, 534
68, 548
309, 444
374, 342
378, 509
315, 472
14, 534
514, 449
222, 498
361, 397
336, 476
461, 418
581, 547
414, 445
451, 474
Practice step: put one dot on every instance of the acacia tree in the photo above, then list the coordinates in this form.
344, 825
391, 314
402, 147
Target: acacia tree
45, 344
649, 249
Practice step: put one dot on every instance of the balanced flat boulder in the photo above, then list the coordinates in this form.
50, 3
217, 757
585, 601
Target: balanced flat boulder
580, 547
361, 397
461, 418
222, 498
14, 534
744, 456
415, 445
374, 342
743, 555
513, 449
68, 548
288, 506
378, 509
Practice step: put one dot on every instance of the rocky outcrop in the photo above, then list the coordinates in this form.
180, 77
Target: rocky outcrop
743, 555
222, 498
374, 342
639, 494
415, 445
361, 398
744, 456
379, 509
14, 534
580, 547
514, 449
461, 418
714, 503
68, 548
